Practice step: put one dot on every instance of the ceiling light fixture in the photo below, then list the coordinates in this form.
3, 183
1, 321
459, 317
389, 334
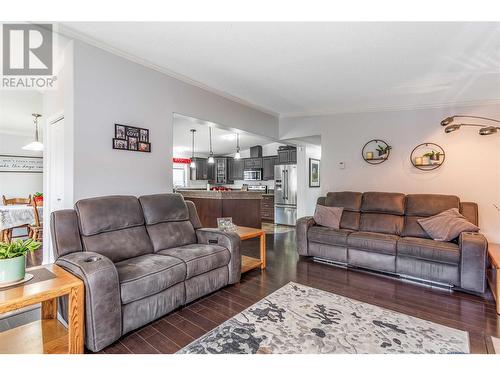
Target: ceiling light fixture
485, 129
192, 164
211, 159
36, 145
237, 155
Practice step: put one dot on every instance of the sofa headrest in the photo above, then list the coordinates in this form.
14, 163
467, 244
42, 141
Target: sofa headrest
160, 208
430, 204
387, 203
350, 200
105, 214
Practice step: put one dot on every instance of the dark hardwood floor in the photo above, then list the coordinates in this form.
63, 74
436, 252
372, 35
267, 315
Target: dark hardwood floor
454, 309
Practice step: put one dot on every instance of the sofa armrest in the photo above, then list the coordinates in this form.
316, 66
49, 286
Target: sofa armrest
229, 240
473, 257
103, 315
302, 227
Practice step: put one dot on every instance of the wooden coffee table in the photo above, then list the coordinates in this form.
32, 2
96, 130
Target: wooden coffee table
249, 263
493, 273
47, 335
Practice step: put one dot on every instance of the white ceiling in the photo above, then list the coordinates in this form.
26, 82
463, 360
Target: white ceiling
16, 107
223, 139
312, 68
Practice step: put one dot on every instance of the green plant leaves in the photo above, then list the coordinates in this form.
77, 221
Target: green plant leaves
18, 248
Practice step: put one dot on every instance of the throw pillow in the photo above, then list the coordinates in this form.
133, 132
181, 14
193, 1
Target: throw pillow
447, 225
328, 216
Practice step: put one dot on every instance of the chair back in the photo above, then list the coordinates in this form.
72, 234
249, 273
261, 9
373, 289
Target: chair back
35, 205
12, 201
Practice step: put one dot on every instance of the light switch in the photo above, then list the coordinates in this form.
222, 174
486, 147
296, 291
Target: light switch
341, 165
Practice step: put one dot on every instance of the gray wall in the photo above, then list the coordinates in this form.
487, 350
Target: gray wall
109, 89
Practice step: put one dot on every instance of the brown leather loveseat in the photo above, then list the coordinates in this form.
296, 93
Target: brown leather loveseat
379, 231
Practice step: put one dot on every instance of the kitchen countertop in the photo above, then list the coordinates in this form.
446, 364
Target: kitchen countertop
220, 194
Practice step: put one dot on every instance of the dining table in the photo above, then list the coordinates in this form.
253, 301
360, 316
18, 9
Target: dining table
12, 216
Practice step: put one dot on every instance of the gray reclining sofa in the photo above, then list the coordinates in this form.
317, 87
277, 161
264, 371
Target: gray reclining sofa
379, 231
140, 259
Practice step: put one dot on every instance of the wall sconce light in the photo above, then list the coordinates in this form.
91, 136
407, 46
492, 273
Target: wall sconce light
450, 127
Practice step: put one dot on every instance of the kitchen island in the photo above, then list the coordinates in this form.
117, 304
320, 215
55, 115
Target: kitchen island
243, 206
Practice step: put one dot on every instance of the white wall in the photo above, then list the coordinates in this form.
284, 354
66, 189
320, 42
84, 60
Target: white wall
306, 196
109, 89
471, 170
18, 184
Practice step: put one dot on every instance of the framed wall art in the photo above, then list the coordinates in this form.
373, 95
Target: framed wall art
131, 138
314, 172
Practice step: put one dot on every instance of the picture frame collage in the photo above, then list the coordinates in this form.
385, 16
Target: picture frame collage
131, 138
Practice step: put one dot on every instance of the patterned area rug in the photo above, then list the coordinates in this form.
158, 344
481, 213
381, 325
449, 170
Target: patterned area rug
300, 319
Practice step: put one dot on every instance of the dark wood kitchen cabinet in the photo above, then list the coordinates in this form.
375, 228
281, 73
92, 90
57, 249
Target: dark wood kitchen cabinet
287, 156
235, 168
268, 163
252, 163
267, 207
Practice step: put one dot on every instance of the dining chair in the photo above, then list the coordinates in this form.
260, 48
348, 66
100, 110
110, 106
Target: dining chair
7, 233
36, 230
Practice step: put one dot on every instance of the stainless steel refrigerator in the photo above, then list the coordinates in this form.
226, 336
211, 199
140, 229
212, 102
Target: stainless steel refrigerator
285, 194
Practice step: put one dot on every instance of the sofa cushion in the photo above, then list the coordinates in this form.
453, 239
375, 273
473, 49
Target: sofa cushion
105, 214
120, 244
200, 258
350, 200
328, 216
160, 208
389, 203
172, 234
447, 225
146, 275
328, 236
381, 223
412, 228
422, 248
430, 204
375, 242
350, 220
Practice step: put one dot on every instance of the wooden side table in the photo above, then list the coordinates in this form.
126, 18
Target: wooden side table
249, 263
493, 273
47, 335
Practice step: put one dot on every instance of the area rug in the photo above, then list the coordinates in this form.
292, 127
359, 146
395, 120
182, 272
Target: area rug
299, 319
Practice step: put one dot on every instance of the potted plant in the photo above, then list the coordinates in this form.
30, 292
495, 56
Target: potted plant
38, 197
433, 156
13, 259
383, 151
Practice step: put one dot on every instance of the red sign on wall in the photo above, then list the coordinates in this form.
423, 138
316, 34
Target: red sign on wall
182, 160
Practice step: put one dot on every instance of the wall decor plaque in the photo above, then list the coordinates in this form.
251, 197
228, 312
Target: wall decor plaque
21, 164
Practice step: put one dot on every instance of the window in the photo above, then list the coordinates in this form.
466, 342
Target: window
179, 176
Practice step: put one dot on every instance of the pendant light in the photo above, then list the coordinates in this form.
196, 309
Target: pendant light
211, 157
237, 155
36, 145
193, 164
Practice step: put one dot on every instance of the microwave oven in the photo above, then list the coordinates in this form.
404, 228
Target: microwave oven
252, 175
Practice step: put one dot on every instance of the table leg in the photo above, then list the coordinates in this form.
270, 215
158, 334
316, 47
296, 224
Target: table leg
76, 320
49, 309
263, 250
497, 282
